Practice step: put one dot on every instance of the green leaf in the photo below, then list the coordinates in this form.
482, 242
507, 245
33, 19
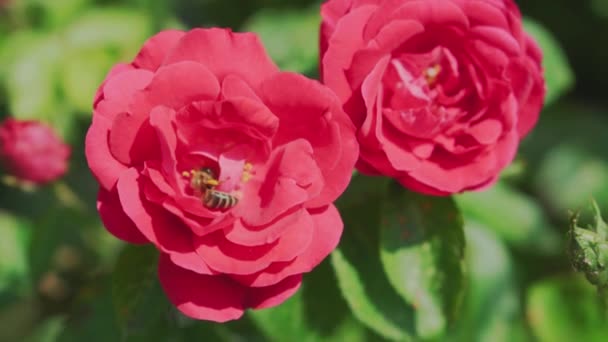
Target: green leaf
558, 74
242, 329
31, 80
109, 28
83, 72
568, 176
600, 8
47, 331
515, 217
290, 37
57, 13
357, 265
422, 251
316, 313
14, 45
287, 319
138, 298
565, 309
491, 310
15, 237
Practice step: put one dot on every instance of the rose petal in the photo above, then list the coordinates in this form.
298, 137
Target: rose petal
292, 178
486, 132
266, 297
213, 298
225, 53
249, 116
234, 86
132, 140
320, 121
115, 220
155, 223
389, 38
104, 166
227, 257
471, 174
121, 87
246, 235
177, 85
327, 231
345, 40
116, 69
161, 119
486, 13
497, 37
155, 49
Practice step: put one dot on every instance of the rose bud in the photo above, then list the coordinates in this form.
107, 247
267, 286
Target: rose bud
32, 152
588, 247
441, 91
227, 165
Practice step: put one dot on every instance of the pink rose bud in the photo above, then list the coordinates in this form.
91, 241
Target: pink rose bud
31, 151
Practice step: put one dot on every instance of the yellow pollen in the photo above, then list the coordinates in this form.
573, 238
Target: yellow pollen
186, 174
213, 182
246, 176
431, 73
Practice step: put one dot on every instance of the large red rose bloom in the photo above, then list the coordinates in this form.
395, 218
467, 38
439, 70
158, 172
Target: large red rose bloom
229, 166
441, 91
31, 151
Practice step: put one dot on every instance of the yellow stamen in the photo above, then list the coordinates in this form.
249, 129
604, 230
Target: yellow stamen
213, 182
246, 176
431, 74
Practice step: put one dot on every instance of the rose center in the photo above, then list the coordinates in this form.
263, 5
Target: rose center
422, 91
215, 194
431, 74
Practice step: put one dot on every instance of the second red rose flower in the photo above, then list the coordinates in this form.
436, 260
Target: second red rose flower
441, 91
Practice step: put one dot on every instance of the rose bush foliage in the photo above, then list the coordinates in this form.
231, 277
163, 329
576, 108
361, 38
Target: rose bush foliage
278, 142
31, 151
441, 91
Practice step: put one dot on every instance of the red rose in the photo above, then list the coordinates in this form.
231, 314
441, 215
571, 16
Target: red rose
31, 151
441, 91
230, 167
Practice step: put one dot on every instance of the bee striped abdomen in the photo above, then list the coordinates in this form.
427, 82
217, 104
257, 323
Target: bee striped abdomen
214, 199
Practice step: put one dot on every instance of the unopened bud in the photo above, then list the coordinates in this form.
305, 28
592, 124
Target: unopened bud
32, 152
589, 248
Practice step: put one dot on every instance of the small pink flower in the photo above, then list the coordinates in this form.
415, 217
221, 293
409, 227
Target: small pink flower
31, 151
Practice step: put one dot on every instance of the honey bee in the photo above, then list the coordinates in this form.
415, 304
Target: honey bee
214, 199
204, 181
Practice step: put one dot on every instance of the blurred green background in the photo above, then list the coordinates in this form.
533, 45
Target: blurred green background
57, 261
